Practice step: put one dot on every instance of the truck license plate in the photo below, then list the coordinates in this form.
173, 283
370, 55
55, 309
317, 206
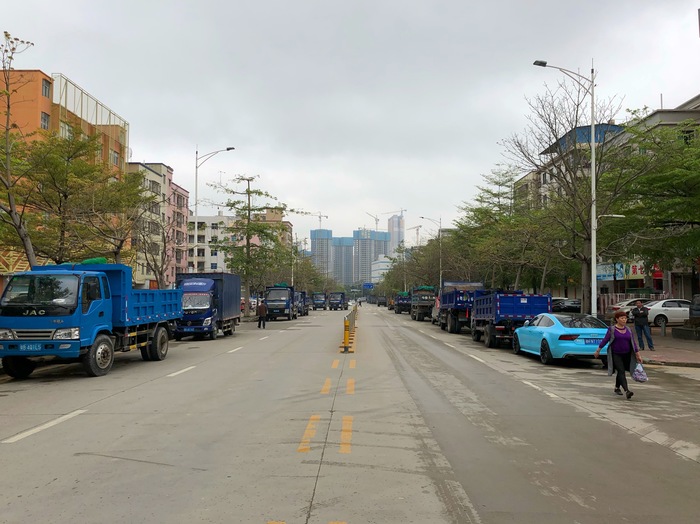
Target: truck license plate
30, 347
187, 328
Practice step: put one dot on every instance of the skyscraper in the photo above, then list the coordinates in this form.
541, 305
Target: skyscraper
397, 231
343, 260
368, 246
321, 250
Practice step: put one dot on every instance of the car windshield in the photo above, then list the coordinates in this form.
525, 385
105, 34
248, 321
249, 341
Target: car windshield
580, 321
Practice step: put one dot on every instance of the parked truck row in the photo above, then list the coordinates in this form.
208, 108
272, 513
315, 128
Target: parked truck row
489, 314
86, 312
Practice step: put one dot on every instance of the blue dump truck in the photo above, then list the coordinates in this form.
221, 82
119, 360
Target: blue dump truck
336, 301
319, 301
211, 302
422, 302
455, 305
82, 312
280, 300
496, 315
302, 305
402, 302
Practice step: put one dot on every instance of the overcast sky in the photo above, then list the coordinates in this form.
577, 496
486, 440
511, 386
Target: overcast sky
350, 107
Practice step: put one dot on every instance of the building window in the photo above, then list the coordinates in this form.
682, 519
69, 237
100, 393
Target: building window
215, 226
214, 252
44, 120
46, 88
214, 265
65, 130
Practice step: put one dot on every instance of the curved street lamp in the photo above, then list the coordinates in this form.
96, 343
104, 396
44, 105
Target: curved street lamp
198, 161
438, 223
589, 85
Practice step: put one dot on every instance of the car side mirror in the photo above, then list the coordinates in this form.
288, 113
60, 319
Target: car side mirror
527, 323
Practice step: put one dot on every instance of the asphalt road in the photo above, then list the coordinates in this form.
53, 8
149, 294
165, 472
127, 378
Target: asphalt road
417, 426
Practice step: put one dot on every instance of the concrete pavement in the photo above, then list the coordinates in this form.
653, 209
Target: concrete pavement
671, 351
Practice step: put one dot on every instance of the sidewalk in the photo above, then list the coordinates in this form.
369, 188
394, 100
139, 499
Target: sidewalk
672, 351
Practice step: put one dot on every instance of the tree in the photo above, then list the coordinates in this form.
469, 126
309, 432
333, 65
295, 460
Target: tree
255, 249
555, 148
13, 166
77, 208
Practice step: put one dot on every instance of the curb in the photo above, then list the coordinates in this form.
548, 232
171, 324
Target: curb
667, 363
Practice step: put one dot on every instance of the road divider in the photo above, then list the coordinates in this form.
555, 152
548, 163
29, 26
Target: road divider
349, 327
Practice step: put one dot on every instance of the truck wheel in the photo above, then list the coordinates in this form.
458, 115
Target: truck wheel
145, 353
476, 334
214, 332
451, 321
18, 367
489, 337
158, 349
100, 357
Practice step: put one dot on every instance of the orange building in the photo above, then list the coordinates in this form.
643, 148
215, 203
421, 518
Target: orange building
54, 103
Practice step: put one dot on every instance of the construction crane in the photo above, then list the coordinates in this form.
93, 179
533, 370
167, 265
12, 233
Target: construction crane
397, 211
320, 216
376, 221
417, 228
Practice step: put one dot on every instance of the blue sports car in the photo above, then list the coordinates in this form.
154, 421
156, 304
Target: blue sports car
560, 335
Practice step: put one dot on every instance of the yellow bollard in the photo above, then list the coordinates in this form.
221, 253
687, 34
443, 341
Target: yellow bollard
346, 335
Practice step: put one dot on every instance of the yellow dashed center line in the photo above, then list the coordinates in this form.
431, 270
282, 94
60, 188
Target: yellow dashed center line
309, 433
352, 363
336, 363
346, 435
350, 388
326, 387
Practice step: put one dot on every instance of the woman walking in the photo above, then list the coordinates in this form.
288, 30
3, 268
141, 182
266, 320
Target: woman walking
620, 350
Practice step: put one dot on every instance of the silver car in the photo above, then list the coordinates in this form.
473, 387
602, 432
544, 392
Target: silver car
626, 305
668, 311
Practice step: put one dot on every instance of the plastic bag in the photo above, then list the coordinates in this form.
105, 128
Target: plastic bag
639, 375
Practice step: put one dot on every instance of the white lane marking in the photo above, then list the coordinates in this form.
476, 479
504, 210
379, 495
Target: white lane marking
552, 395
477, 359
432, 336
181, 371
264, 337
234, 350
450, 345
49, 424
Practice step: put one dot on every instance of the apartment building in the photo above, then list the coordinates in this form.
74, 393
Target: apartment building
160, 238
54, 103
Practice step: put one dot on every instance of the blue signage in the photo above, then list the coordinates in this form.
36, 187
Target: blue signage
368, 285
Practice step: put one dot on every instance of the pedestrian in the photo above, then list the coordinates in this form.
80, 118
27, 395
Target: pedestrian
641, 325
622, 345
261, 311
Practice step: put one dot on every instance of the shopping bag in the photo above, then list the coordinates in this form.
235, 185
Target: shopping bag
639, 375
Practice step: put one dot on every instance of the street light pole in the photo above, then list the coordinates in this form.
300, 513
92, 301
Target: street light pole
439, 225
198, 161
590, 87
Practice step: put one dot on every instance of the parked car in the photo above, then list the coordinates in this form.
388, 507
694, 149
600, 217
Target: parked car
669, 311
566, 305
626, 305
560, 335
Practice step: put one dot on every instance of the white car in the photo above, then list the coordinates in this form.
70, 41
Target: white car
669, 311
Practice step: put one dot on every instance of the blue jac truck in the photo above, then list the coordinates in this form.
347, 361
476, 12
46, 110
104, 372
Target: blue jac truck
280, 300
455, 305
211, 302
402, 302
319, 301
82, 312
336, 301
422, 302
496, 315
302, 305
